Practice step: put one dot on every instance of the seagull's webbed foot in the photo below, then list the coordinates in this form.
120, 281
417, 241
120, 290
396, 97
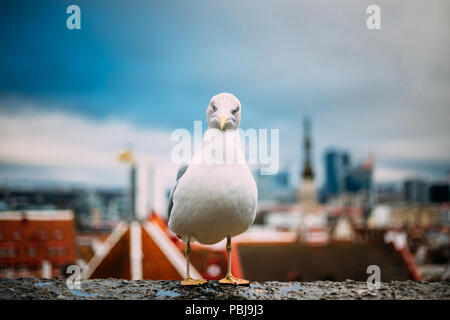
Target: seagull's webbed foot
192, 282
230, 279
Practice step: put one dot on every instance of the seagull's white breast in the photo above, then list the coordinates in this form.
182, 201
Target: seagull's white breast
214, 200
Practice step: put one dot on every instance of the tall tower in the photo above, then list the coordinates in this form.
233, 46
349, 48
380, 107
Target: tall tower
307, 170
307, 193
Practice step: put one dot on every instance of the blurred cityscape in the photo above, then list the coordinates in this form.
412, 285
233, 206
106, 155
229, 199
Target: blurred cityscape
364, 148
304, 232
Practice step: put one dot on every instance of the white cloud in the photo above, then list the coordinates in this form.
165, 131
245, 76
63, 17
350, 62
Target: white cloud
59, 139
391, 175
412, 149
74, 149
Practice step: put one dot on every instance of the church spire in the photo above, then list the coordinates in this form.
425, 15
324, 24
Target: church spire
307, 170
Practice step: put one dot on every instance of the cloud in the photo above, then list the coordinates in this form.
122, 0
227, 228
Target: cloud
56, 146
60, 139
431, 150
392, 175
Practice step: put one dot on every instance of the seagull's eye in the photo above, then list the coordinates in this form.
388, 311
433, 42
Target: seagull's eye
234, 111
213, 108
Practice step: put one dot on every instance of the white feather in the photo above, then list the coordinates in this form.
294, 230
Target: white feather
215, 199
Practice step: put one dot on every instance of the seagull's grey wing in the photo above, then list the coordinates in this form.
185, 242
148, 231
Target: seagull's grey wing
180, 173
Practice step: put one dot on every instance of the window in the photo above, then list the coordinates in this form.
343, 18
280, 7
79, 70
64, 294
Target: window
42, 234
31, 251
16, 235
58, 234
56, 251
7, 252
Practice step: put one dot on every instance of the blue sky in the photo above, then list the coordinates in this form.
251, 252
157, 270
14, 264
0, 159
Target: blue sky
145, 68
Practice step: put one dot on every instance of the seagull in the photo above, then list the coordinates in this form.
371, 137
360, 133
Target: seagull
215, 195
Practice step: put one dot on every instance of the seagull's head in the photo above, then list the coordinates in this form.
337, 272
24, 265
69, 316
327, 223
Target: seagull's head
224, 112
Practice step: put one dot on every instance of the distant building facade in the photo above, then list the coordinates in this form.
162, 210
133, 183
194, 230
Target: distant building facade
358, 179
336, 166
341, 177
92, 208
420, 191
36, 243
416, 191
439, 193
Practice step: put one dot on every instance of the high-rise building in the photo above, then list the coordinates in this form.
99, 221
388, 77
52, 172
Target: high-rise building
342, 177
358, 179
439, 192
416, 191
336, 166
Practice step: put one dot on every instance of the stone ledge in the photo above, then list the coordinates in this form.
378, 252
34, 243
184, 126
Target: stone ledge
31, 288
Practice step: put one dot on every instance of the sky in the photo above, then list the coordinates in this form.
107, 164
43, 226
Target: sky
70, 100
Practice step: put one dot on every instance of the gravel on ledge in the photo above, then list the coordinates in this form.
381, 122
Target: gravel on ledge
32, 288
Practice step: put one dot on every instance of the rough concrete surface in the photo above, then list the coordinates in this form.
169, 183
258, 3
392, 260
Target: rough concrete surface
31, 288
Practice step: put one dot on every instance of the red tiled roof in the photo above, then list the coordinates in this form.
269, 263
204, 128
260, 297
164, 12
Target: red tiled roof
155, 265
116, 264
145, 253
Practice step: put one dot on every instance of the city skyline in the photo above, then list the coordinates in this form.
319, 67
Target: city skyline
71, 100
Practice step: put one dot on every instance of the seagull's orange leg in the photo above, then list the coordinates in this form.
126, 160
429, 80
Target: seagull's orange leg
229, 278
188, 281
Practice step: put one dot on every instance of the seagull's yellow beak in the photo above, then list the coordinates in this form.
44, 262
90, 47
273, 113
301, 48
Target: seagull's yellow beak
222, 120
